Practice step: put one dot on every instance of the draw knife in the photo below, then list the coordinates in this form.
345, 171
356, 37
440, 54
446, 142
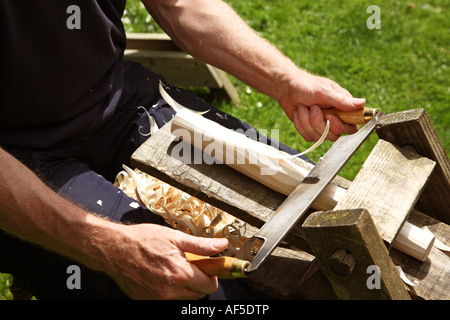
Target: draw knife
296, 205
300, 200
292, 210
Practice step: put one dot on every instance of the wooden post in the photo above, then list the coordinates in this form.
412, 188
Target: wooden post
353, 256
388, 186
413, 128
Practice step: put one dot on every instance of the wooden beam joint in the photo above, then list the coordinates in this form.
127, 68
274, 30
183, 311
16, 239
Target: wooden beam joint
342, 262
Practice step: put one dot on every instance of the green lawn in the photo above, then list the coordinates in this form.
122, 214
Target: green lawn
404, 65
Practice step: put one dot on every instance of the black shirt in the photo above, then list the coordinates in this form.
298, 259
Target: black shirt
58, 81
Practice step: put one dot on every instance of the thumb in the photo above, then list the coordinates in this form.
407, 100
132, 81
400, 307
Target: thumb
202, 246
348, 103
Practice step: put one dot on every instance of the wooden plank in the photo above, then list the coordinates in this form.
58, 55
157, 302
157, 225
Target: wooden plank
157, 52
282, 275
151, 41
178, 68
414, 128
356, 247
388, 186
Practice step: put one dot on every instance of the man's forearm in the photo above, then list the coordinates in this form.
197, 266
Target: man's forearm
211, 31
35, 213
147, 261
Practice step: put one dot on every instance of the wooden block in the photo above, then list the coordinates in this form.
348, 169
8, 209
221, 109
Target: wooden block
388, 185
413, 128
358, 247
432, 275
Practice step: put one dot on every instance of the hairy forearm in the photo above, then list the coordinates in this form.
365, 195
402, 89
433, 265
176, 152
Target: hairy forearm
146, 260
35, 213
211, 31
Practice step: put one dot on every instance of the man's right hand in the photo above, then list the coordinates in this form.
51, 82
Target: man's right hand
148, 262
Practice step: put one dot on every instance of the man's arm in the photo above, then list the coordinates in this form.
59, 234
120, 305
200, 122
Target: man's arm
147, 261
211, 31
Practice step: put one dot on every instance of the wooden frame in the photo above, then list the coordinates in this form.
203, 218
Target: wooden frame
157, 52
254, 203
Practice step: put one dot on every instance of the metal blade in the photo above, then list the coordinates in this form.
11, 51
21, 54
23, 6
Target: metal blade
300, 200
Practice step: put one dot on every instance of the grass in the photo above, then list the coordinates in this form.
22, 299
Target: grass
5, 283
404, 65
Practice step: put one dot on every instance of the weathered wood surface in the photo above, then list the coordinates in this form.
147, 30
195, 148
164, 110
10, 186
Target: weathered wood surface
259, 161
356, 247
433, 275
414, 128
254, 203
271, 280
388, 185
273, 169
216, 183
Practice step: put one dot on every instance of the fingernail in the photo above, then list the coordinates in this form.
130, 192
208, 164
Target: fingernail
358, 101
219, 243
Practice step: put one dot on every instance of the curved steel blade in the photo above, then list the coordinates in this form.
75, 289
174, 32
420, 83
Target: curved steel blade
300, 200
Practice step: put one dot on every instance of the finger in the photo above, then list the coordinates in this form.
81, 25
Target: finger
200, 245
303, 123
318, 122
200, 282
338, 128
344, 102
300, 128
332, 94
187, 281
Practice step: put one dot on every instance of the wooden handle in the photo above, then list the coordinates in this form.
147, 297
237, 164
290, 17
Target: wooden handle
221, 267
360, 116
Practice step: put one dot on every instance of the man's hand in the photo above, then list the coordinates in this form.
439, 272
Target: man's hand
211, 31
148, 262
305, 95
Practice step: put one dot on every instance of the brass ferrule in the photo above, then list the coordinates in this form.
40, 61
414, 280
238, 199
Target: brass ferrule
369, 113
238, 268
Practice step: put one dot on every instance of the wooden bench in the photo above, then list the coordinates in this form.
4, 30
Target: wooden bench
157, 52
304, 267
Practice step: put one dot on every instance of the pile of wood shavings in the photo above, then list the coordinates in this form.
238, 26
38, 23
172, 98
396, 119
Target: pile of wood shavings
181, 210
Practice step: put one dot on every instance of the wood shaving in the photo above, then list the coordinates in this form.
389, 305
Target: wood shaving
181, 210
405, 279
